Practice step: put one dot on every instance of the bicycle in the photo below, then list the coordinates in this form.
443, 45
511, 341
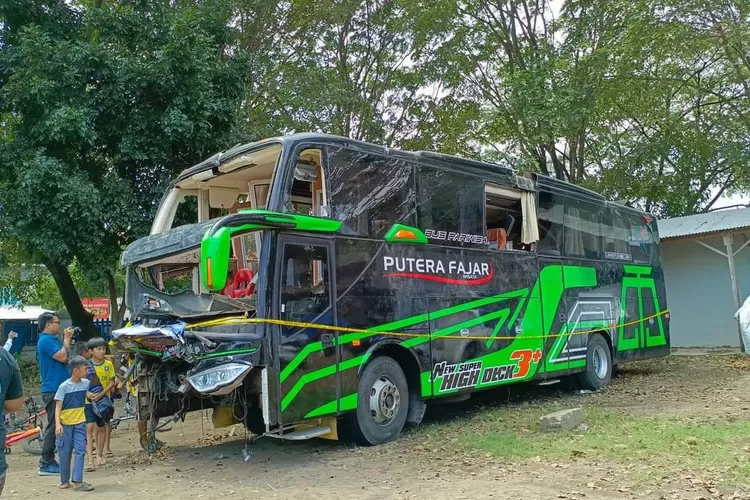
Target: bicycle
17, 428
127, 412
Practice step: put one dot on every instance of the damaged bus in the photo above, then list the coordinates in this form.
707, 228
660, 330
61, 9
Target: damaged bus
316, 286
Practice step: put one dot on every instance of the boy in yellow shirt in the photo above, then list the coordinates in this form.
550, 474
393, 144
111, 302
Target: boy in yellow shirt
104, 371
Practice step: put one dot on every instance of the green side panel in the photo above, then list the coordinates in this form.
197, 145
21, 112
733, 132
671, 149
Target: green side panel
347, 403
521, 359
398, 325
554, 286
410, 342
326, 409
551, 281
426, 386
639, 278
390, 236
318, 374
356, 362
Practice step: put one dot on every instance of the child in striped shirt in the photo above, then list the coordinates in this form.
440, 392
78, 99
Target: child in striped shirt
70, 423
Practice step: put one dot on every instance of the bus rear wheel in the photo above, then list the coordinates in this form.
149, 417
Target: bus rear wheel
382, 402
598, 372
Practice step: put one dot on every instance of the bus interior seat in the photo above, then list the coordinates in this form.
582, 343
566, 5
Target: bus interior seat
241, 286
498, 235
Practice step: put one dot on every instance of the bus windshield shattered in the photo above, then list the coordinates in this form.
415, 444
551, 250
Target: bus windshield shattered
163, 277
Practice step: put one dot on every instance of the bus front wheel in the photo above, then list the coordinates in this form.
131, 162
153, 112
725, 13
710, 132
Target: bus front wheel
382, 402
598, 372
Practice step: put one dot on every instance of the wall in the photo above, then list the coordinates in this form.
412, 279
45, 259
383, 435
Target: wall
699, 291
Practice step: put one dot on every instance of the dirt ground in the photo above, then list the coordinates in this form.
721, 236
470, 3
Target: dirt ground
429, 461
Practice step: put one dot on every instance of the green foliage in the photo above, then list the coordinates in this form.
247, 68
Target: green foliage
103, 104
644, 101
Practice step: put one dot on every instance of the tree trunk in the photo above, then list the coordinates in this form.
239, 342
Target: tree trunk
116, 312
80, 316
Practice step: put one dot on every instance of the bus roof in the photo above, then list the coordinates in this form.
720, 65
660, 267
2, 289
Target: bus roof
543, 182
294, 139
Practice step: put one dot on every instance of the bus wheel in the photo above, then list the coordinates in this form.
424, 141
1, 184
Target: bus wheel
598, 371
382, 402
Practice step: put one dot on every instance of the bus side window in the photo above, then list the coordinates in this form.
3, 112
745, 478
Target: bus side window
615, 235
582, 230
370, 193
550, 216
641, 240
507, 218
451, 207
305, 285
187, 211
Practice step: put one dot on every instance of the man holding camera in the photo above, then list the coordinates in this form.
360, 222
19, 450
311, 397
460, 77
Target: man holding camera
53, 365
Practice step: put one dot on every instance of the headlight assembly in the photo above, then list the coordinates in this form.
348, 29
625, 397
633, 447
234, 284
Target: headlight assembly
226, 377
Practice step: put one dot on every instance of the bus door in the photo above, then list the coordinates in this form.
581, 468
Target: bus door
305, 302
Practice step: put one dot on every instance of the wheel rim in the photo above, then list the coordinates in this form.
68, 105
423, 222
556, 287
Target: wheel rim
600, 362
385, 400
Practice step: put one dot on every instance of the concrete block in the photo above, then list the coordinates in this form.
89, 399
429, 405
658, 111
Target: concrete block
564, 420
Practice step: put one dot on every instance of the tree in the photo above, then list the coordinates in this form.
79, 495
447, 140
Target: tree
641, 100
102, 103
676, 138
356, 68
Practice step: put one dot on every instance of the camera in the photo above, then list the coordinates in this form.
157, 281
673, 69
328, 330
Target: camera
76, 332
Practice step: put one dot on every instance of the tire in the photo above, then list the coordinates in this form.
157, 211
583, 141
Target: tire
33, 445
598, 372
382, 403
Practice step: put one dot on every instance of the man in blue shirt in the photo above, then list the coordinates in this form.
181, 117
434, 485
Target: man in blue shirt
11, 400
53, 359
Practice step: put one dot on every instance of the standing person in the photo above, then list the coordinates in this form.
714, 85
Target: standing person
101, 374
53, 359
743, 316
85, 352
9, 343
11, 400
70, 424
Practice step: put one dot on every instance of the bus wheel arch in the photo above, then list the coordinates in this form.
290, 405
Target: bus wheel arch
384, 393
410, 365
599, 363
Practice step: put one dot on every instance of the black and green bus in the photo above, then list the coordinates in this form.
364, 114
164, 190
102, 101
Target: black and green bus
312, 285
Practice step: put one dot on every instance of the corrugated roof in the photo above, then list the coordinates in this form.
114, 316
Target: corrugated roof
711, 222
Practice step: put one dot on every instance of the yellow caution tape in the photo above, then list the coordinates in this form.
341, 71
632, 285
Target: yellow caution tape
242, 320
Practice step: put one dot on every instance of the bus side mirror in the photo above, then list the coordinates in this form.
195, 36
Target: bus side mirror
215, 259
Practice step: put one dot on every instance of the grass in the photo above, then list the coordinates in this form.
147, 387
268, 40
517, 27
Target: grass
664, 445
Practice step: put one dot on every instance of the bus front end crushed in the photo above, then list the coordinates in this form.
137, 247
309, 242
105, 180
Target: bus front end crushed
179, 368
189, 349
